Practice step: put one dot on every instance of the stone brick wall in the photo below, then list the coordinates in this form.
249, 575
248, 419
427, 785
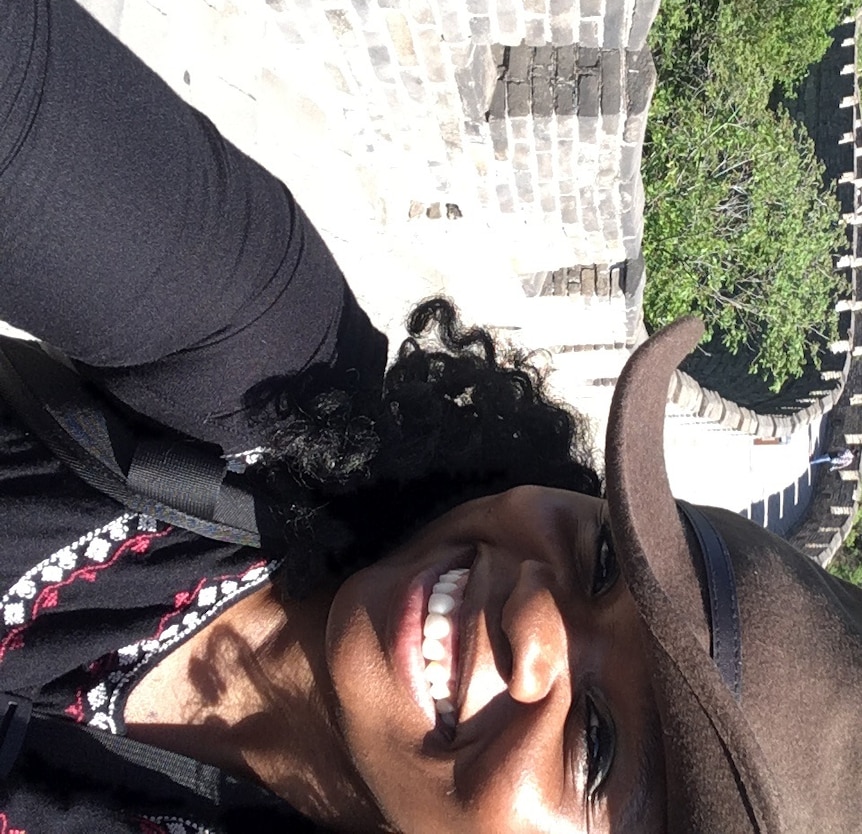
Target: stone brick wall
836, 389
523, 121
485, 149
838, 495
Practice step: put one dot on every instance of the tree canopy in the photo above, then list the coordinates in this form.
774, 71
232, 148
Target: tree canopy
739, 226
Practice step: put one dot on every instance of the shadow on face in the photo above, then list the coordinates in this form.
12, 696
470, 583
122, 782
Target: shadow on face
554, 727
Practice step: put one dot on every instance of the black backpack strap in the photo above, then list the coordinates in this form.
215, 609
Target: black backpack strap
14, 724
118, 761
179, 482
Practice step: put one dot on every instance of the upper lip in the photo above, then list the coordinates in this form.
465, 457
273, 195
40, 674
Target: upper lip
479, 602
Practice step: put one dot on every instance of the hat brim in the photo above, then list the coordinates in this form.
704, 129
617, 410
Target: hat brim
716, 774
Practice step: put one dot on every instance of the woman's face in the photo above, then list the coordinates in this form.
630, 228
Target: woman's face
549, 722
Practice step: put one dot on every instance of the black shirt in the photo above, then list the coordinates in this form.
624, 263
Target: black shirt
181, 275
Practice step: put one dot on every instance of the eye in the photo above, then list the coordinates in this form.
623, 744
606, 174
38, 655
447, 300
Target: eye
606, 569
600, 745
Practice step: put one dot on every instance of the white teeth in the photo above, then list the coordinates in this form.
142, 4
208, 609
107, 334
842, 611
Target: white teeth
439, 691
444, 706
436, 673
437, 648
440, 603
436, 627
433, 649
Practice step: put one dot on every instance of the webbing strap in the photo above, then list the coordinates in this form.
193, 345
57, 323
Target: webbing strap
14, 724
726, 648
117, 761
178, 474
176, 482
82, 750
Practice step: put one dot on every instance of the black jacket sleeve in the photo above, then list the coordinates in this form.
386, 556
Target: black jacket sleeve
135, 238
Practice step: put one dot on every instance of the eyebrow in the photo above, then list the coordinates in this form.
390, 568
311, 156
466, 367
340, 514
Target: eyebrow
642, 797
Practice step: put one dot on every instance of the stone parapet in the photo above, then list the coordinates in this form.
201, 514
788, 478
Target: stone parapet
766, 415
486, 150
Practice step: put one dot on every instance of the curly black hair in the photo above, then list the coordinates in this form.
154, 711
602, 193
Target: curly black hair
361, 471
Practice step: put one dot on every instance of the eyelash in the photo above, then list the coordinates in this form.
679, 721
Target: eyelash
599, 740
606, 569
599, 734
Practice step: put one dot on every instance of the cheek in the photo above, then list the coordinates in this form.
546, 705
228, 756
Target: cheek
375, 727
355, 663
353, 653
379, 733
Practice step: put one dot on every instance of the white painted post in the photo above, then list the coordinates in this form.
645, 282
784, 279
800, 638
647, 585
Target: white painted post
849, 262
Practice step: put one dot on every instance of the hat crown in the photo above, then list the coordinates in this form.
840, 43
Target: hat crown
802, 675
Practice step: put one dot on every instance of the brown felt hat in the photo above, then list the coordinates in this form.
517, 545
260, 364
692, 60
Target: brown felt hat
757, 652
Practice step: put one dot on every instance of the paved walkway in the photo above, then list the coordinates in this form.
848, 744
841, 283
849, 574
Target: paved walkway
771, 484
202, 48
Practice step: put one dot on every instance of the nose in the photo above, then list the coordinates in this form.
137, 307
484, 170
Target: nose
534, 627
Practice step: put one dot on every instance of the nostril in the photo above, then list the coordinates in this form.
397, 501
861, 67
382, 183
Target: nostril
534, 627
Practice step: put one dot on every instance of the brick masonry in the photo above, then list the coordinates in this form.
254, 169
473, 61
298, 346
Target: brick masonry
486, 148
522, 117
486, 140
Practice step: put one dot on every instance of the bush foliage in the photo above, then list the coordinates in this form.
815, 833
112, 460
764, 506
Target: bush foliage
739, 227
848, 561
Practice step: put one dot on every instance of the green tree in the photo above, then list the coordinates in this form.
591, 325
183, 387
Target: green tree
738, 225
848, 561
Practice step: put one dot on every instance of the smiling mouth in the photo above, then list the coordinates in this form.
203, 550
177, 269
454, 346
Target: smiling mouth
440, 643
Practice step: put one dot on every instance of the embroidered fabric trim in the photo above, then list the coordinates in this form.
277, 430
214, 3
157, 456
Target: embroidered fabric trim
193, 611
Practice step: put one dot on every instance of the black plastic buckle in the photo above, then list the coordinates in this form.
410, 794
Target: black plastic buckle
17, 712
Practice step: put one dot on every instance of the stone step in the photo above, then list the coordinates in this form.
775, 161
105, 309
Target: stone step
550, 322
597, 367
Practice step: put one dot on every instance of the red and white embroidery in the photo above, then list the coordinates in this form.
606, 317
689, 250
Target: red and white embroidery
193, 610
172, 825
39, 589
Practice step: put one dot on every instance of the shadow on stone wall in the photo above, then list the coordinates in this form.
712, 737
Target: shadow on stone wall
835, 494
818, 106
779, 512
